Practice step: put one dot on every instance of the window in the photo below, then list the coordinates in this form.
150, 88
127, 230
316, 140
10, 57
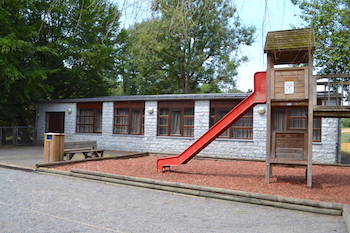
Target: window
242, 129
295, 119
129, 118
176, 118
89, 118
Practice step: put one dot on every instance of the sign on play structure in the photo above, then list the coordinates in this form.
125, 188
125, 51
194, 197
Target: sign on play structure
289, 87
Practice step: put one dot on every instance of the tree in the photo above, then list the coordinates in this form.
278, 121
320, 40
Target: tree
184, 45
345, 123
20, 72
331, 21
54, 50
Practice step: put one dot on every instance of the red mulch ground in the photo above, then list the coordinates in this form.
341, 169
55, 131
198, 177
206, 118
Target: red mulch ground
330, 183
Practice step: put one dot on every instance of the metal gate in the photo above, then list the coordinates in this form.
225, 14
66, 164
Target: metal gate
17, 136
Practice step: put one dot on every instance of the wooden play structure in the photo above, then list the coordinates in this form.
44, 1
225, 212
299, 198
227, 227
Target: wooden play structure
290, 100
292, 103
293, 107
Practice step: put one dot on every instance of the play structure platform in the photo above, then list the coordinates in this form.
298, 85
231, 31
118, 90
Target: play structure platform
258, 96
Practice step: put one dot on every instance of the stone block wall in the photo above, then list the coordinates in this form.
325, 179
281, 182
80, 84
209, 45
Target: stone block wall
328, 150
323, 152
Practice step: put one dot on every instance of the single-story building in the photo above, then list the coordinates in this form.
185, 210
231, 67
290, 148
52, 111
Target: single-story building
168, 124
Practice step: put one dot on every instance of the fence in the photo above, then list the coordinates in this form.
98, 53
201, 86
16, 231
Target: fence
334, 88
345, 146
17, 136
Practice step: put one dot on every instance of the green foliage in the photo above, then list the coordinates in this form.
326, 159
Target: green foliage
331, 21
185, 45
50, 50
209, 88
345, 123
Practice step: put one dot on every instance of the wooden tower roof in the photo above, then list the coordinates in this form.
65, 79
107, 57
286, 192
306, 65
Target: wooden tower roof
290, 46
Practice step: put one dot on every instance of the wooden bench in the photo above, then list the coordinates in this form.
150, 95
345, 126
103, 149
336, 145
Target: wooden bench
87, 148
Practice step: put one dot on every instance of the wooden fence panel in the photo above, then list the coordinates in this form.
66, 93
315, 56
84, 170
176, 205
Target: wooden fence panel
345, 146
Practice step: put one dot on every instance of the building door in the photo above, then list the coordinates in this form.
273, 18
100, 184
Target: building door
54, 122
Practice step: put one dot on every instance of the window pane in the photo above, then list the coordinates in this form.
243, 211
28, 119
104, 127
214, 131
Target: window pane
316, 136
242, 133
163, 130
225, 134
121, 121
279, 119
211, 122
176, 122
163, 121
297, 112
98, 121
189, 121
85, 120
85, 129
135, 121
222, 113
163, 112
120, 129
188, 132
249, 114
244, 122
85, 112
189, 111
317, 123
121, 112
297, 123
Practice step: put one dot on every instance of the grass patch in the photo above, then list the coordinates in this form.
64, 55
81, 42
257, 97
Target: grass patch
346, 153
345, 137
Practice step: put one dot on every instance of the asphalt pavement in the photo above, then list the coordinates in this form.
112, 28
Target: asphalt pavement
27, 157
36, 202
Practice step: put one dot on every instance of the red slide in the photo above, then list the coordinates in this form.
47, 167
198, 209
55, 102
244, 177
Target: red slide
258, 96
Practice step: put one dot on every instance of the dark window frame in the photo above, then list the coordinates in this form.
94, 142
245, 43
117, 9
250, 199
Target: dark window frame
317, 131
86, 111
169, 123
129, 107
217, 106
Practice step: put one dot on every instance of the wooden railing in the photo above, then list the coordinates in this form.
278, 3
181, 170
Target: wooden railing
333, 89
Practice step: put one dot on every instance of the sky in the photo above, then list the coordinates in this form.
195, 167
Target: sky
265, 15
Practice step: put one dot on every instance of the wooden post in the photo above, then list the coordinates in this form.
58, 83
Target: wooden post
311, 90
268, 172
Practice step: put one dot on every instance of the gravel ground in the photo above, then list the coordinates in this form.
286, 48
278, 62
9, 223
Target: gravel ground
330, 184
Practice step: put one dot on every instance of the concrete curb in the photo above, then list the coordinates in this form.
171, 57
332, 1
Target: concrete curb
208, 192
346, 215
17, 167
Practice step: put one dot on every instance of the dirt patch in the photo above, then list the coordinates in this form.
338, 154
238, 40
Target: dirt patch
345, 130
330, 183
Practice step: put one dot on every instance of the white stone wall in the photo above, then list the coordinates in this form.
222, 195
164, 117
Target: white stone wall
202, 117
323, 152
239, 148
328, 149
69, 124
